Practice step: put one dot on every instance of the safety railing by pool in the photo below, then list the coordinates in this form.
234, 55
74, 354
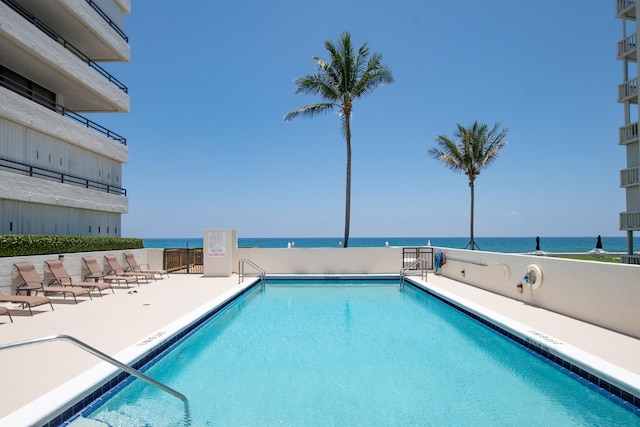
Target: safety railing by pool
420, 263
105, 357
241, 264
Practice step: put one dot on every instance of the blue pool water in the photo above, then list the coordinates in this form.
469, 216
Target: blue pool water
355, 355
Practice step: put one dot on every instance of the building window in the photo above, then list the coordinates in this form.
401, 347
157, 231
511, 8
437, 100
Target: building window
25, 87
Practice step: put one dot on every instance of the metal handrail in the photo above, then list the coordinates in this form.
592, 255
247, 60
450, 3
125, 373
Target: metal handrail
505, 267
28, 93
403, 271
241, 264
39, 172
108, 20
49, 32
105, 357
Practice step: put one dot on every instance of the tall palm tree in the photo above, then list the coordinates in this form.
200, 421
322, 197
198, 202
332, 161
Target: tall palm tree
346, 76
474, 149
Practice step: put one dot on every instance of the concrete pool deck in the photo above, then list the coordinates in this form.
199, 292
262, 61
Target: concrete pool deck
121, 320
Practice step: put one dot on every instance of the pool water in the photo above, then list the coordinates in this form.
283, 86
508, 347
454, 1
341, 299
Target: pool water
355, 355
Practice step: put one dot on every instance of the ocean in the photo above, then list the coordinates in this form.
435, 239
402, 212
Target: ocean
491, 244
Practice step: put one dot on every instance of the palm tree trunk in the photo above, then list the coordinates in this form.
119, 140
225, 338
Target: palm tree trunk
472, 241
347, 213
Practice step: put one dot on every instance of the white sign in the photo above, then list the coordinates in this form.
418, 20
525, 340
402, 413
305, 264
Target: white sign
217, 244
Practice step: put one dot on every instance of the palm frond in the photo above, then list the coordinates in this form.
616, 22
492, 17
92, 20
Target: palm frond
309, 111
476, 148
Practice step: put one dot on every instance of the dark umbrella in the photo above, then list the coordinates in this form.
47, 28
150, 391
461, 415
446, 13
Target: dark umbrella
537, 243
599, 243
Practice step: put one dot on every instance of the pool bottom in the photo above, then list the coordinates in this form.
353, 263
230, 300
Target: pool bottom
534, 346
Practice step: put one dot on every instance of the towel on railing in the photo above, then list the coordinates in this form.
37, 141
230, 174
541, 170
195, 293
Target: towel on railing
438, 261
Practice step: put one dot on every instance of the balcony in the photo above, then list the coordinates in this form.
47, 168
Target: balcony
628, 48
629, 177
85, 25
628, 134
38, 172
629, 221
626, 9
59, 39
42, 97
38, 57
628, 91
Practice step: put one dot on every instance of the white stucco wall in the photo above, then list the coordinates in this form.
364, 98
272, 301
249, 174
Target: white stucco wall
322, 260
605, 294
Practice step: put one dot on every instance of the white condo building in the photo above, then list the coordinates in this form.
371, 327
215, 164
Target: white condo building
61, 172
626, 10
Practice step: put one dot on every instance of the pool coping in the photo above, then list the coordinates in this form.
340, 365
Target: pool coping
66, 400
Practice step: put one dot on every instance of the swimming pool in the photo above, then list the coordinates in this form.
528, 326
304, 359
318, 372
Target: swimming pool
354, 352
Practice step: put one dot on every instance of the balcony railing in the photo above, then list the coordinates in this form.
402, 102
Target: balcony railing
628, 133
109, 21
628, 90
629, 177
630, 221
38, 172
28, 93
623, 5
49, 32
628, 47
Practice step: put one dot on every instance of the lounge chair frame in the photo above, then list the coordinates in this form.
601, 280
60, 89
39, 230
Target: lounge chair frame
96, 273
135, 267
117, 269
62, 278
31, 278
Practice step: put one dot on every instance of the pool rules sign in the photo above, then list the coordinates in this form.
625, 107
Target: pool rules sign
219, 252
217, 243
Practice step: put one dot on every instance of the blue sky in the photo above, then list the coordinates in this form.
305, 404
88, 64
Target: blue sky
210, 82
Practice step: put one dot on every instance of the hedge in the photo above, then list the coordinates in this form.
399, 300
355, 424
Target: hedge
26, 244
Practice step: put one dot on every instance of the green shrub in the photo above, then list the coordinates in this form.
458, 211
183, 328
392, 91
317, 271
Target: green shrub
27, 244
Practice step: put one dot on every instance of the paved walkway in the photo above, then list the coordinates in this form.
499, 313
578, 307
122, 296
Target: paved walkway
121, 320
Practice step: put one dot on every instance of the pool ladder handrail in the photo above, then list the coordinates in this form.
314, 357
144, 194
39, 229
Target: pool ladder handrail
241, 264
105, 357
403, 271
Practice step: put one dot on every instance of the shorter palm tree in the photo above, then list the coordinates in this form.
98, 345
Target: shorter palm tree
474, 149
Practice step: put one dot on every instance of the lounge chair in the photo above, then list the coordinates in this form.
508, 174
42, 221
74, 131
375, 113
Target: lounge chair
5, 310
133, 265
62, 278
117, 269
96, 273
33, 280
26, 300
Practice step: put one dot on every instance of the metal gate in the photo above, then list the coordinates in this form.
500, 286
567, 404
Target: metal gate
183, 260
410, 255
